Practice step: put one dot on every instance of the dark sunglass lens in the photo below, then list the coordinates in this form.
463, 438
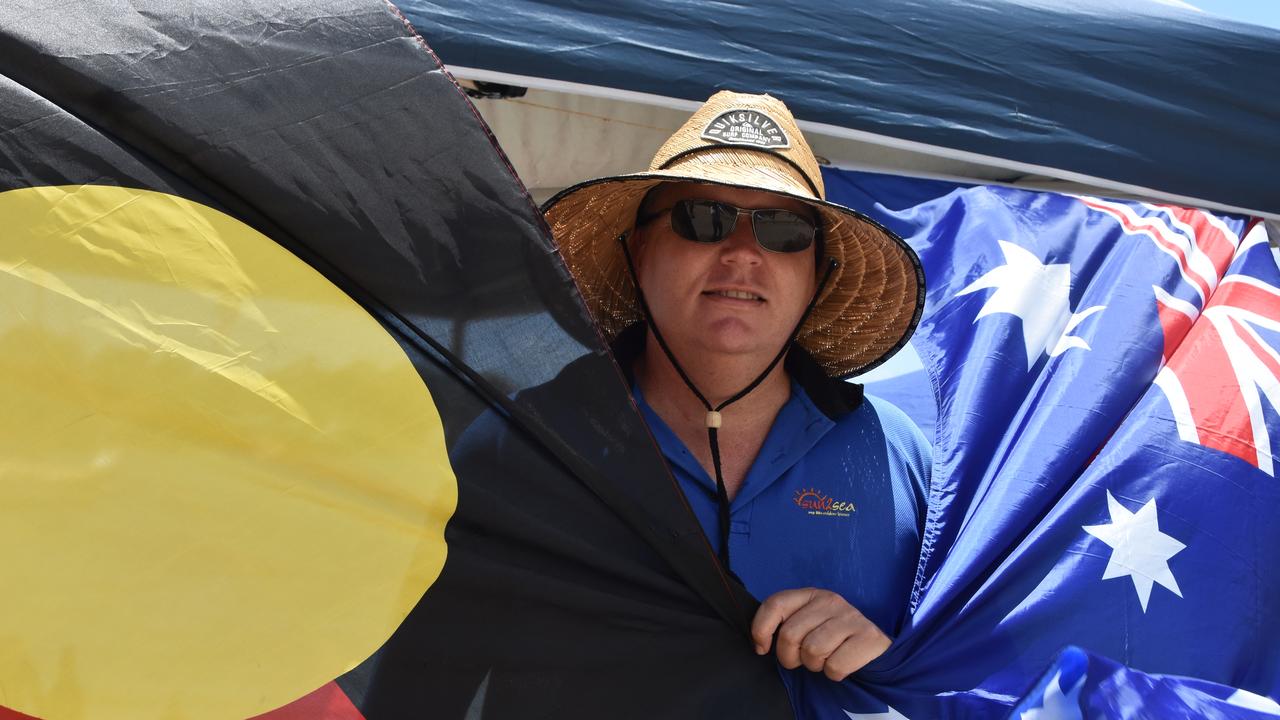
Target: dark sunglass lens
702, 220
782, 230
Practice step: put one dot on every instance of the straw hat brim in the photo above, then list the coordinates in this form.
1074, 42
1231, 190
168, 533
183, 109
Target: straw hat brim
866, 313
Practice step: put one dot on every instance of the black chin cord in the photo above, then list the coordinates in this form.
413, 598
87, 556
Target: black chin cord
714, 420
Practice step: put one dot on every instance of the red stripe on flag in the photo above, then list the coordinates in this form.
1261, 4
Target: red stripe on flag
1248, 297
1208, 236
327, 703
1160, 239
1209, 380
7, 714
1175, 325
1260, 352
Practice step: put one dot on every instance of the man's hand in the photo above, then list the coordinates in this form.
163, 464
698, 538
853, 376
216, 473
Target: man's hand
817, 629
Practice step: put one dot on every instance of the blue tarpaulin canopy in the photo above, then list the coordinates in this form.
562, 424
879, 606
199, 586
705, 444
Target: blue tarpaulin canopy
1143, 99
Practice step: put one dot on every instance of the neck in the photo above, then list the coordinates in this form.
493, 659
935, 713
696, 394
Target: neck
718, 379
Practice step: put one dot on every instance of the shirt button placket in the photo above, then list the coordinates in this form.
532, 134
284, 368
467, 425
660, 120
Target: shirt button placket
740, 528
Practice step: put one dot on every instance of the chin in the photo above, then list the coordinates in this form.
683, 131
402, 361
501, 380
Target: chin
740, 344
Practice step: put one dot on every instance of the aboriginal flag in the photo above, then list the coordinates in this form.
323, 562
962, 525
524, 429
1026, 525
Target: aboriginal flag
302, 413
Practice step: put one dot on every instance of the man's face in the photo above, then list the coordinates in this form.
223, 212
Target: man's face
695, 291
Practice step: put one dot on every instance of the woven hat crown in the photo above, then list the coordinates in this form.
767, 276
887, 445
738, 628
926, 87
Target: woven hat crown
747, 133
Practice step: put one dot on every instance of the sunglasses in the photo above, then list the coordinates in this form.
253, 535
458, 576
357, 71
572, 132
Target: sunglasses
708, 221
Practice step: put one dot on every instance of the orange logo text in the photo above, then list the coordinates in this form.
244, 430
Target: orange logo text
818, 503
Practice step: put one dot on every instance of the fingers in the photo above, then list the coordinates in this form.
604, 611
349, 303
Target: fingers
818, 629
820, 643
773, 612
856, 651
812, 632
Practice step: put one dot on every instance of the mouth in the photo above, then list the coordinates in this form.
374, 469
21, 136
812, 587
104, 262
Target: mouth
735, 295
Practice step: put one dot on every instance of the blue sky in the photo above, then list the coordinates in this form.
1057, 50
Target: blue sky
1258, 12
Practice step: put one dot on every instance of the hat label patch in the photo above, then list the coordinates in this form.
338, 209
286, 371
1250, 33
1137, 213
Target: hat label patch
746, 127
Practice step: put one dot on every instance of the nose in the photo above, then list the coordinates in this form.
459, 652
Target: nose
740, 247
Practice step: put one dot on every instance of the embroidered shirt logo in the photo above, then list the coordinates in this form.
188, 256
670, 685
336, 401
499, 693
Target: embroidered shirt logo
817, 503
746, 127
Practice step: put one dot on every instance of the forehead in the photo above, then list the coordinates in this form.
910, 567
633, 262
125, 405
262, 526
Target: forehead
669, 193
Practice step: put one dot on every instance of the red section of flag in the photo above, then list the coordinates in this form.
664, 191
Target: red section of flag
327, 703
1221, 417
1208, 236
1176, 324
1222, 364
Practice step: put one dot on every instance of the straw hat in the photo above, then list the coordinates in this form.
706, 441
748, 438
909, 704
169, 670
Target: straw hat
874, 298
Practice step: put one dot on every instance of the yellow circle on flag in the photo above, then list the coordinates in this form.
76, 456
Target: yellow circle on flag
222, 482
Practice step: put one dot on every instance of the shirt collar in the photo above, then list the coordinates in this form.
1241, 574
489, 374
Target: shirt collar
799, 426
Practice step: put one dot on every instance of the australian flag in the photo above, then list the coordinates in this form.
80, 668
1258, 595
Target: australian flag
1107, 384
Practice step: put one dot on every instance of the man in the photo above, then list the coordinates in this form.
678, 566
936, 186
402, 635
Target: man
736, 298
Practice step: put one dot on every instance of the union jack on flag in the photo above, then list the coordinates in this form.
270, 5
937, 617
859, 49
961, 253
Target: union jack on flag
1217, 373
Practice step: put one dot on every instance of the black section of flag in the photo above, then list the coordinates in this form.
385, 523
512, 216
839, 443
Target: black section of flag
578, 583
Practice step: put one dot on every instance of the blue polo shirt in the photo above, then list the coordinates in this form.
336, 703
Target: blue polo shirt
837, 504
